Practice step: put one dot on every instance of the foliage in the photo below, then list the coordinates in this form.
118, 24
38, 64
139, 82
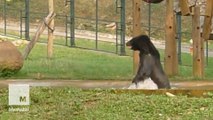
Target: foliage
7, 73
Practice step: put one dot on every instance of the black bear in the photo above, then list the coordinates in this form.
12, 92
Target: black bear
150, 66
153, 1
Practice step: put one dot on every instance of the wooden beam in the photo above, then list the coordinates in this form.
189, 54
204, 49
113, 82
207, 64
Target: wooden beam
207, 20
209, 6
184, 7
39, 31
171, 61
198, 44
206, 27
50, 31
168, 92
136, 30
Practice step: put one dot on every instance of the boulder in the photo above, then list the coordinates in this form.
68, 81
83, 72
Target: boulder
11, 60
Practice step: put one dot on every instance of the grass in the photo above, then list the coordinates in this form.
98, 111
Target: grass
77, 104
75, 63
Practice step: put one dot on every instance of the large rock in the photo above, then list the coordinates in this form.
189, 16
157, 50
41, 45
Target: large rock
11, 60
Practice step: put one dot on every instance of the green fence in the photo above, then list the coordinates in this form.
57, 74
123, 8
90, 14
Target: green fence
82, 23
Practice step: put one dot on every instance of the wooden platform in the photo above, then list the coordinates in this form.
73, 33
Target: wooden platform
186, 88
169, 92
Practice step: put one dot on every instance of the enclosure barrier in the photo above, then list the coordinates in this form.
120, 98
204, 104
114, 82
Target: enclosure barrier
26, 26
70, 21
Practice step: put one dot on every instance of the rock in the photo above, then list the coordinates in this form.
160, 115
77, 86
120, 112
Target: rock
11, 60
18, 43
170, 94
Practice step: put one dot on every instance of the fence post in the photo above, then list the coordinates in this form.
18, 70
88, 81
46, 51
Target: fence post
198, 44
171, 62
39, 31
123, 27
72, 22
96, 25
66, 29
27, 19
50, 31
149, 19
136, 30
20, 24
5, 17
179, 36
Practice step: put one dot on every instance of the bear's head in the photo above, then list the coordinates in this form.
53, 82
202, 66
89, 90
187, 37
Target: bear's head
143, 44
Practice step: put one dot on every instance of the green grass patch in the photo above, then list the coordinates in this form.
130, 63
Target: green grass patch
77, 104
74, 63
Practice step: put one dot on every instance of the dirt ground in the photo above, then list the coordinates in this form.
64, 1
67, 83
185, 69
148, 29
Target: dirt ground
188, 88
101, 83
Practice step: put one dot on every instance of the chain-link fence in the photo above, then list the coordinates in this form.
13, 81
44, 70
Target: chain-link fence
87, 23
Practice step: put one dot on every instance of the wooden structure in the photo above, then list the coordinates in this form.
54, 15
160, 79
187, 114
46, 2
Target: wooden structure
167, 92
200, 33
136, 30
39, 31
198, 44
171, 58
49, 23
171, 61
184, 7
208, 20
50, 31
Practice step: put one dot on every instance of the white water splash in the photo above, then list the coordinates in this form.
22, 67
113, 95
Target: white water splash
146, 84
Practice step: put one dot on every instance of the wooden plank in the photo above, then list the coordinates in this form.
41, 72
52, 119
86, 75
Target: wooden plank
136, 30
39, 31
188, 92
50, 31
184, 7
198, 44
209, 6
208, 20
207, 27
171, 61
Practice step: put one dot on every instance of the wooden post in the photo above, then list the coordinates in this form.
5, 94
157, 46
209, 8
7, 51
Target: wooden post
50, 31
171, 61
39, 31
198, 44
207, 20
136, 30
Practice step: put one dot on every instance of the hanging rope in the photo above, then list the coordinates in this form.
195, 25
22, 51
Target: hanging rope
48, 27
